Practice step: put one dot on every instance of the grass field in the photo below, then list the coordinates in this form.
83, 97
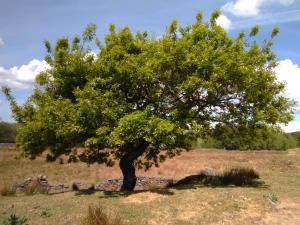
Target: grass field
275, 201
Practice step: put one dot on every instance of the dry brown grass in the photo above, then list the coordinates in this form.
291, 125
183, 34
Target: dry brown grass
97, 215
279, 170
35, 188
7, 189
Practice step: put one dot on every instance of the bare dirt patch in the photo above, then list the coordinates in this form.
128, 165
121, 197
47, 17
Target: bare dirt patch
285, 212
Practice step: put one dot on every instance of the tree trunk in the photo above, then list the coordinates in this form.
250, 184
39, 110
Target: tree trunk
127, 167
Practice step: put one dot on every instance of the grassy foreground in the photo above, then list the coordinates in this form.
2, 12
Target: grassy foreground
275, 201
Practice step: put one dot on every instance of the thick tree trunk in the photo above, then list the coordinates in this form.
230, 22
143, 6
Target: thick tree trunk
127, 167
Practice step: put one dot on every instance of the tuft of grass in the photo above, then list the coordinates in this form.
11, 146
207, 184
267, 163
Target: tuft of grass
45, 213
272, 197
35, 187
239, 176
8, 190
97, 215
15, 220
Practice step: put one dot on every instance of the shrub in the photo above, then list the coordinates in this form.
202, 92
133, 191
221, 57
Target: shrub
7, 190
296, 137
235, 176
7, 132
35, 187
14, 220
233, 137
98, 216
239, 176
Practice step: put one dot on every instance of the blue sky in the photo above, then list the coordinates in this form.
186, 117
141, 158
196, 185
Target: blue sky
24, 24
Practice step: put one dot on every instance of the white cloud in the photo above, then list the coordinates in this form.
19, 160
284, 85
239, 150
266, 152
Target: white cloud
1, 42
250, 8
265, 19
242, 7
224, 22
291, 127
290, 73
22, 77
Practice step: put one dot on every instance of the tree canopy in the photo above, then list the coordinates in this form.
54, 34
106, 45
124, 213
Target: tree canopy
145, 96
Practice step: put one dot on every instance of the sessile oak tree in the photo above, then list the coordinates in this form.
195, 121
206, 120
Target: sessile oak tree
141, 100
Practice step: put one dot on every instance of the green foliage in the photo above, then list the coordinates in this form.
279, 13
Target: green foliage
248, 138
7, 132
296, 137
89, 33
254, 30
15, 220
161, 91
275, 31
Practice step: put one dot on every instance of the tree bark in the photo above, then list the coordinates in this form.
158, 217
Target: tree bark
127, 167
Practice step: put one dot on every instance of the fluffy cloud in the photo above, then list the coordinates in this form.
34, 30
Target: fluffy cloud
267, 18
224, 22
1, 42
289, 72
22, 77
250, 8
291, 127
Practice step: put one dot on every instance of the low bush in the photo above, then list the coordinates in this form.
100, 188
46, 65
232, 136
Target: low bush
239, 176
15, 220
234, 176
296, 137
240, 138
97, 215
7, 132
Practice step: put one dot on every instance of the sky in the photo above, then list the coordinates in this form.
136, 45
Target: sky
25, 24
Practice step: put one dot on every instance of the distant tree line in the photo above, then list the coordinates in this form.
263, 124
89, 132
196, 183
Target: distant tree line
7, 132
231, 138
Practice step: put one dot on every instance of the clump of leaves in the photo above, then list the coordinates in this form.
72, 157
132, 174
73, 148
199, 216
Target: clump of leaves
35, 187
99, 216
15, 220
7, 190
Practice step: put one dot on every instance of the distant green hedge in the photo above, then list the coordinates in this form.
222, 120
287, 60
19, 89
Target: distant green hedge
232, 138
7, 132
296, 136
